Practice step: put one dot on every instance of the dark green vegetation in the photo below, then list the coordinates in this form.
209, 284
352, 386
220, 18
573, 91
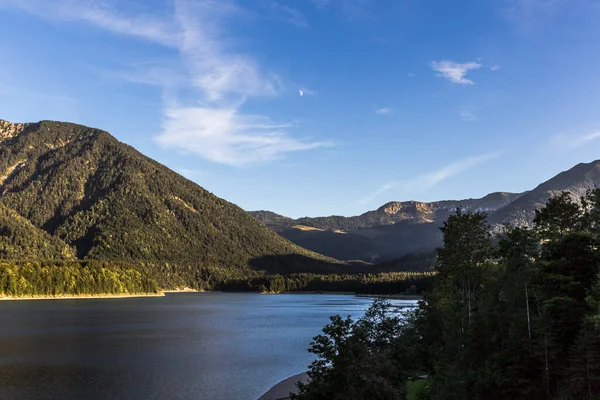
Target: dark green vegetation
19, 239
516, 320
399, 228
76, 194
377, 283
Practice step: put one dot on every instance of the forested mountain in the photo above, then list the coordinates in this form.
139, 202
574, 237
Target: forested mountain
399, 228
67, 190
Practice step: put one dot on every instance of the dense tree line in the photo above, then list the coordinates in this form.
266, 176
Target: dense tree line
46, 279
51, 278
519, 319
416, 262
381, 283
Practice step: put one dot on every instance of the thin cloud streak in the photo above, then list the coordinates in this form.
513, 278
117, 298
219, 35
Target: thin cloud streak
100, 14
287, 14
433, 178
384, 188
570, 142
468, 116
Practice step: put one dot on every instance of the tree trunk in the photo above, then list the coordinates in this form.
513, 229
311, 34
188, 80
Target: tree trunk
528, 314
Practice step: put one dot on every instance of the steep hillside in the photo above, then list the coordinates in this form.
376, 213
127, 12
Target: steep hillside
20, 240
109, 202
577, 180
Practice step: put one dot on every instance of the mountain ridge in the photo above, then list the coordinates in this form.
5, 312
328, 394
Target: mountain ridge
398, 228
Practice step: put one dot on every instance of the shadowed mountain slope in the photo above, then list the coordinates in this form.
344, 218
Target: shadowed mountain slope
84, 188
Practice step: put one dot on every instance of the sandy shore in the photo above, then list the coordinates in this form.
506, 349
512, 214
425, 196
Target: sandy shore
184, 290
101, 296
84, 296
283, 389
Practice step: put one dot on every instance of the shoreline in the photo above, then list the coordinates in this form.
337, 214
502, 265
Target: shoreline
392, 296
82, 296
161, 293
184, 290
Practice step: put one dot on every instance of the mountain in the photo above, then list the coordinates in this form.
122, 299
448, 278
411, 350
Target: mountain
393, 230
578, 180
82, 193
399, 228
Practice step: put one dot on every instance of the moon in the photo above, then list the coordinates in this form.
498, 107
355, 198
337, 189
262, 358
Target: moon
301, 92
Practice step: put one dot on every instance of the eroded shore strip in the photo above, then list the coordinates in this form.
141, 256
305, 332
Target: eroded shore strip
100, 296
83, 296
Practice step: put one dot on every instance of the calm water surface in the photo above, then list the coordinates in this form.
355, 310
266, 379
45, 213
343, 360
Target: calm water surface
181, 346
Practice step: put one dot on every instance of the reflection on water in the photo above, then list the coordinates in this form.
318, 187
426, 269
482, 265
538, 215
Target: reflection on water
181, 346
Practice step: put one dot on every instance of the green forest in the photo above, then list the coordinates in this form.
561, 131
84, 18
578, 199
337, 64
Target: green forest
50, 279
60, 278
517, 318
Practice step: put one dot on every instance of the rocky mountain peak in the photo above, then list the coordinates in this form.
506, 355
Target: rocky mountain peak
8, 129
396, 207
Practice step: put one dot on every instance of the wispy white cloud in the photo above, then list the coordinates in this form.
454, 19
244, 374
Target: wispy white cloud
384, 111
205, 93
214, 69
528, 14
382, 189
495, 67
101, 14
468, 116
455, 72
571, 142
351, 10
321, 3
433, 178
287, 14
156, 74
226, 136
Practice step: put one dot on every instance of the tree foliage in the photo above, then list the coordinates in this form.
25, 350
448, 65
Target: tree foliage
519, 319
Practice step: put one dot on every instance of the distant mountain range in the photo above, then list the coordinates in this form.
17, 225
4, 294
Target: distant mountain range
399, 228
72, 192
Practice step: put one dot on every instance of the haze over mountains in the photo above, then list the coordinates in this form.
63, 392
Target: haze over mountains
399, 228
68, 191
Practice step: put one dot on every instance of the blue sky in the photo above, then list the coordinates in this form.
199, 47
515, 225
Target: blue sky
319, 107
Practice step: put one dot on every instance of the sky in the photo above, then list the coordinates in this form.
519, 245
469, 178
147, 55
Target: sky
319, 107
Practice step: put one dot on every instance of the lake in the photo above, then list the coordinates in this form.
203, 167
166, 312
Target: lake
182, 346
